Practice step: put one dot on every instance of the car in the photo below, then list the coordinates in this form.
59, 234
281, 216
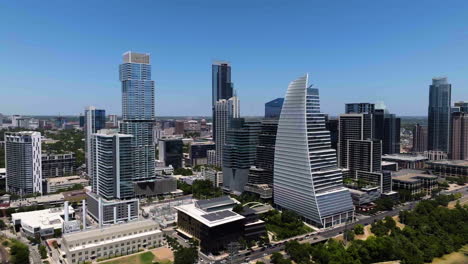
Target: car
315, 238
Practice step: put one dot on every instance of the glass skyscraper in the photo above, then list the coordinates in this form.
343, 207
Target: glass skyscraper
438, 133
306, 177
138, 111
273, 108
94, 120
222, 87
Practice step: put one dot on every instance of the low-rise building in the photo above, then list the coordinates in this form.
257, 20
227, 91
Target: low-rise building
214, 223
41, 222
406, 160
364, 195
121, 239
389, 166
64, 183
414, 182
157, 186
215, 176
111, 211
449, 168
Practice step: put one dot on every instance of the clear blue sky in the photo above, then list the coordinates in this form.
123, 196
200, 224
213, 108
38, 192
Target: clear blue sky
60, 56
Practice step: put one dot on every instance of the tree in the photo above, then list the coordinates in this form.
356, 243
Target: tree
238, 208
2, 224
384, 204
349, 235
186, 255
359, 229
19, 253
57, 232
43, 251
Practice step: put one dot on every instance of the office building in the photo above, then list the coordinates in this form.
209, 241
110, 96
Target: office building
198, 152
179, 127
215, 224
387, 129
438, 130
112, 166
171, 152
332, 126
358, 108
215, 176
406, 160
158, 186
273, 108
95, 120
114, 120
262, 173
221, 87
459, 136
306, 177
115, 240
111, 211
414, 182
364, 155
225, 111
23, 162
138, 111
449, 168
419, 138
239, 153
58, 165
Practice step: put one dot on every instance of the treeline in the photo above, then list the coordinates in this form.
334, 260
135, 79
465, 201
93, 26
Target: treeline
200, 189
431, 230
285, 225
183, 255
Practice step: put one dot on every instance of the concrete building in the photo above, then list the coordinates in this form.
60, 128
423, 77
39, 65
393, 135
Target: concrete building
159, 185
439, 110
459, 136
414, 182
106, 211
406, 160
449, 168
239, 153
225, 111
58, 165
112, 165
352, 127
95, 120
171, 152
41, 222
364, 195
419, 138
216, 177
198, 152
115, 240
63, 183
306, 177
23, 162
138, 111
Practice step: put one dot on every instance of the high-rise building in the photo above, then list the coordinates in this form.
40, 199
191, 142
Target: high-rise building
352, 127
198, 152
419, 138
364, 155
306, 177
387, 129
225, 111
95, 120
179, 127
171, 152
114, 120
58, 165
265, 154
438, 132
112, 165
138, 111
239, 153
459, 137
221, 87
23, 162
332, 126
358, 108
460, 106
273, 108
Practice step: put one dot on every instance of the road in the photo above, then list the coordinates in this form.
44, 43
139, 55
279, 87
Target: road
34, 256
317, 237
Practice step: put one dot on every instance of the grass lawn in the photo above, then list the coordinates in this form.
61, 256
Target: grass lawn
143, 258
458, 257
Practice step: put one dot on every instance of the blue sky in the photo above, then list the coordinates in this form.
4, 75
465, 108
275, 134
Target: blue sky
59, 56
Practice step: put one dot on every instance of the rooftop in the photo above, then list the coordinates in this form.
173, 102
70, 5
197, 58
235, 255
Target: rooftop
67, 179
134, 57
404, 157
214, 202
411, 175
46, 218
463, 163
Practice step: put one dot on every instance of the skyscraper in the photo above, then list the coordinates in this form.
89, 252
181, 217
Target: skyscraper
138, 111
438, 134
419, 138
171, 152
23, 162
239, 153
112, 165
358, 108
352, 127
306, 177
225, 111
459, 137
95, 120
387, 129
221, 86
273, 108
265, 154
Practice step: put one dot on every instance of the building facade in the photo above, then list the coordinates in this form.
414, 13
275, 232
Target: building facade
459, 136
138, 111
306, 177
95, 120
171, 152
225, 111
58, 165
221, 87
419, 138
23, 162
273, 108
198, 152
438, 134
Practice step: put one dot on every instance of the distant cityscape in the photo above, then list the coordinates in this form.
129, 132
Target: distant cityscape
222, 188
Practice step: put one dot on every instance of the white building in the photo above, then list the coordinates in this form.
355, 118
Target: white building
23, 162
115, 240
42, 222
225, 111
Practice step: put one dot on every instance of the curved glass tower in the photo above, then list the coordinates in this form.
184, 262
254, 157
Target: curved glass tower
306, 177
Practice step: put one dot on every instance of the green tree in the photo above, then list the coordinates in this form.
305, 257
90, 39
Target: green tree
43, 251
359, 229
19, 253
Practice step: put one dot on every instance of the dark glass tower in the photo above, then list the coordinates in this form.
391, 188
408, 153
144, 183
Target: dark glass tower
273, 108
138, 111
438, 134
222, 87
